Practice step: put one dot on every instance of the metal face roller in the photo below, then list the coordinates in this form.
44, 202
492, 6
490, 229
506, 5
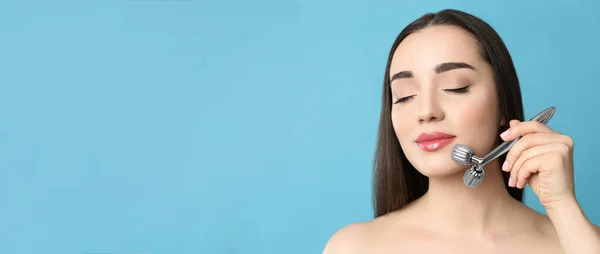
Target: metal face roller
474, 176
465, 155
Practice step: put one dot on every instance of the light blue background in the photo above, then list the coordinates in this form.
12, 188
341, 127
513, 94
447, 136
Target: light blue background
156, 126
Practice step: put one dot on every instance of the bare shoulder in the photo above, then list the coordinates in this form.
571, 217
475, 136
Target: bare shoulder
540, 222
543, 230
383, 232
350, 239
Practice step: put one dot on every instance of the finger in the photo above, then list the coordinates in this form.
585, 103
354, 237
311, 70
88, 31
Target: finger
522, 128
513, 122
530, 167
529, 162
528, 141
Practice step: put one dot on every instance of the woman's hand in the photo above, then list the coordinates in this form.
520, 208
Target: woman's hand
544, 159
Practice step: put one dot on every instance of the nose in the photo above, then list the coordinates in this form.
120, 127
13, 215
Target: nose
430, 109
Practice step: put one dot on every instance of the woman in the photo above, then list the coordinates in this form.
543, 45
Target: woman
450, 80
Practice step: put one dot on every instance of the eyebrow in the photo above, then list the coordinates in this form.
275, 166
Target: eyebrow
438, 69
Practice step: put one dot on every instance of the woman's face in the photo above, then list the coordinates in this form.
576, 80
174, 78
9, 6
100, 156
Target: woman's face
440, 84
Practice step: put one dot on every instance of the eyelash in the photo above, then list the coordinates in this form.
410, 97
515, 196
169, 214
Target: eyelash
461, 90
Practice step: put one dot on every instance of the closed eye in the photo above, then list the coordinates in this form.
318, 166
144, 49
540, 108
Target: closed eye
403, 99
461, 90
458, 90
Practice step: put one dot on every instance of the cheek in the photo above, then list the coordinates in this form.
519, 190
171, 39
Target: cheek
401, 125
480, 122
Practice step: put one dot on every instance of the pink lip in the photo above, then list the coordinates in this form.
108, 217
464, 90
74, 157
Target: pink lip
434, 141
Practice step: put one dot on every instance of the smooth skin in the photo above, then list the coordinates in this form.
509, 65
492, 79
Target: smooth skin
450, 217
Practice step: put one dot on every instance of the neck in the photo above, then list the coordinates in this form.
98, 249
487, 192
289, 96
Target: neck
451, 203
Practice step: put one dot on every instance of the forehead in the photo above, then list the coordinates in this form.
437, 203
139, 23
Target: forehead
424, 49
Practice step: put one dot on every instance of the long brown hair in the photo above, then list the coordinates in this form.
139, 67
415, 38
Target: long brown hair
395, 180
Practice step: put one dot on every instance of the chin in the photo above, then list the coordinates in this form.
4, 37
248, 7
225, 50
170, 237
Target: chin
437, 166
440, 171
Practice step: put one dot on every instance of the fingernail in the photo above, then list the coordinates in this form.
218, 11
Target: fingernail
505, 166
510, 182
504, 134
